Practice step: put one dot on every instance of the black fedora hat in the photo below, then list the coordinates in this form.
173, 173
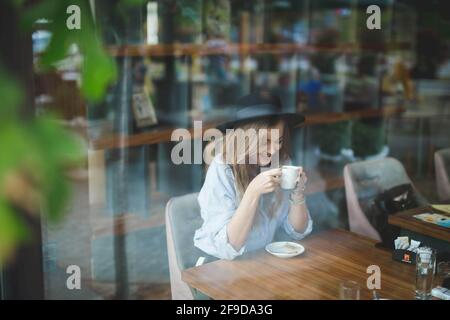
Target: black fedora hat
260, 106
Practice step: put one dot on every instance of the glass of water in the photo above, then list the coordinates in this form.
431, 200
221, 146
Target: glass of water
349, 290
425, 266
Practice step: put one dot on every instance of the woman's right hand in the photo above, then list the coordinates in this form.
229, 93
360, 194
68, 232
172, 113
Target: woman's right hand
265, 182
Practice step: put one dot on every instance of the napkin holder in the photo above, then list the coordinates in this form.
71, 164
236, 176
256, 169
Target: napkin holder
404, 256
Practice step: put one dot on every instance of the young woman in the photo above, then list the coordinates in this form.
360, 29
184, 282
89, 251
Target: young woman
242, 204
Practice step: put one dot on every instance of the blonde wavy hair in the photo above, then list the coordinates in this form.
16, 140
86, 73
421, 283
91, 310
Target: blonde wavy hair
239, 155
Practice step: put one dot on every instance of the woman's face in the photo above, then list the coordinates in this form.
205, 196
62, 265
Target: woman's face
270, 144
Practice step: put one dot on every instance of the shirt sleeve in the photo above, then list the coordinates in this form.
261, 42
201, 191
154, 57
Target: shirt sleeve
217, 200
287, 226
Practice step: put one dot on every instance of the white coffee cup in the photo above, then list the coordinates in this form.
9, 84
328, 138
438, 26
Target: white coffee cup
289, 176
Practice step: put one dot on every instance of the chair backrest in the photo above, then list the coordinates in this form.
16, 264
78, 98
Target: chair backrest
442, 168
182, 219
364, 180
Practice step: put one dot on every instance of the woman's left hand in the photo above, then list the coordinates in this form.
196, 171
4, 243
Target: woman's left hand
298, 194
301, 181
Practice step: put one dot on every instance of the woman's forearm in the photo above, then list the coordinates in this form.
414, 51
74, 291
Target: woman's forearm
241, 223
298, 217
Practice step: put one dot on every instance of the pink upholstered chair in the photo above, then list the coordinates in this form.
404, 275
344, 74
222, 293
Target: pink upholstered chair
364, 180
442, 168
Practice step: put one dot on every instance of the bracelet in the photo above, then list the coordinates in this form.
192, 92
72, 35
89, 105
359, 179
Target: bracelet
297, 201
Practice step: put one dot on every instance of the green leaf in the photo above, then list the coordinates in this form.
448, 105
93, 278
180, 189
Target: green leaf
56, 149
59, 144
45, 9
56, 193
42, 149
59, 45
16, 146
12, 231
11, 94
98, 69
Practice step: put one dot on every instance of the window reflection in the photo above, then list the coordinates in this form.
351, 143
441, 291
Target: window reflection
366, 95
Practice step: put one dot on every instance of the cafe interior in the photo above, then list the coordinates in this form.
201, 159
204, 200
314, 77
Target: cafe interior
373, 85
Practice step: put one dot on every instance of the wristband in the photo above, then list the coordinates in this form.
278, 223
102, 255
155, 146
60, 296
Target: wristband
297, 200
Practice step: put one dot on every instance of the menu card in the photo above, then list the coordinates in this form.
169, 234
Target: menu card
435, 218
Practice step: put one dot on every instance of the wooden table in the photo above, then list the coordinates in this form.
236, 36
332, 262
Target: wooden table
405, 220
330, 257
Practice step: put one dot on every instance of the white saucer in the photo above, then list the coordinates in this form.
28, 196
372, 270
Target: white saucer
285, 249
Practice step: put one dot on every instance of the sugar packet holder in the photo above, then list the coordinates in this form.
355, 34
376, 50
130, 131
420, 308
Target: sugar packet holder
405, 251
405, 256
